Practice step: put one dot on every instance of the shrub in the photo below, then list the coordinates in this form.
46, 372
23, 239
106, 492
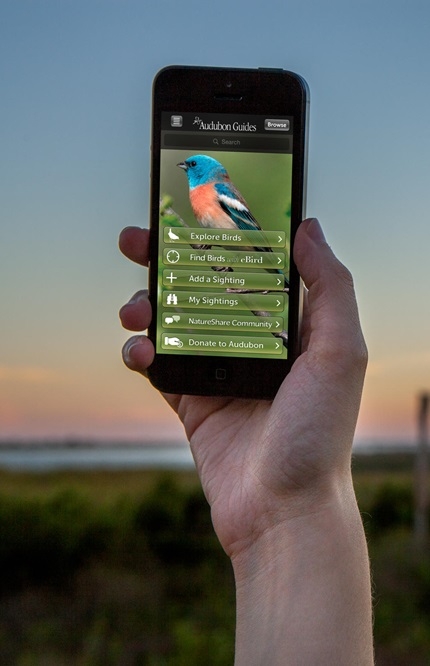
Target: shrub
176, 524
45, 541
392, 507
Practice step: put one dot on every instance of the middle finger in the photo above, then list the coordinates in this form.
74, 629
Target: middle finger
137, 313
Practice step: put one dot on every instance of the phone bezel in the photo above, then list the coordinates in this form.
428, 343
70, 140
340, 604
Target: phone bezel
261, 91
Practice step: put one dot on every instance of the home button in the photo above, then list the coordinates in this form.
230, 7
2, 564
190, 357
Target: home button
220, 374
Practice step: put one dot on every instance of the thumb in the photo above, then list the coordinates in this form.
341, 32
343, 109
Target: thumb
332, 317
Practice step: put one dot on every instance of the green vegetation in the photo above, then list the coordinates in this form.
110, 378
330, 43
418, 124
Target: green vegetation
123, 568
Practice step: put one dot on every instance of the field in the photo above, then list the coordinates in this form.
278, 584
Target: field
123, 569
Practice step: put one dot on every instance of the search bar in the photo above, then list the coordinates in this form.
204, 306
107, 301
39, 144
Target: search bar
230, 142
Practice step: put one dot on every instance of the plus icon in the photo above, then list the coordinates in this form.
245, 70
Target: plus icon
171, 277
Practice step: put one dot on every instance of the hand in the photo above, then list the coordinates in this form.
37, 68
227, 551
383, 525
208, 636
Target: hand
278, 477
262, 462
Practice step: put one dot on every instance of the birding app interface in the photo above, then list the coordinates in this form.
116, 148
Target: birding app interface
224, 242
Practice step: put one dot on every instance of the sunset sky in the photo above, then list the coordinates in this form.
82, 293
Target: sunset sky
74, 169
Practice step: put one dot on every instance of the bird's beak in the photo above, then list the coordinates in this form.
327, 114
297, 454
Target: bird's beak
183, 165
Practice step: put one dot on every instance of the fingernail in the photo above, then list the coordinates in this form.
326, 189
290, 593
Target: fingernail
314, 230
131, 342
138, 296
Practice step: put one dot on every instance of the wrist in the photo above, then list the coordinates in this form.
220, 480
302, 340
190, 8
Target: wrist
303, 586
307, 516
288, 517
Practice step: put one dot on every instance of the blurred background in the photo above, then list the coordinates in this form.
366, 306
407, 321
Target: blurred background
98, 549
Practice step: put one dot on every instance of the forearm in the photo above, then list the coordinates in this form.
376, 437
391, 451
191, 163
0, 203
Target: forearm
303, 591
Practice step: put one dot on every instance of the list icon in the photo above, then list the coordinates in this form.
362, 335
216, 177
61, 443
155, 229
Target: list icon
173, 256
171, 234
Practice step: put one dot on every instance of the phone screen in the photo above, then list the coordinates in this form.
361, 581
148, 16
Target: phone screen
224, 237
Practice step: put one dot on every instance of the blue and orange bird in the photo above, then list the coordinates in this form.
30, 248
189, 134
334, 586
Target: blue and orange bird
216, 202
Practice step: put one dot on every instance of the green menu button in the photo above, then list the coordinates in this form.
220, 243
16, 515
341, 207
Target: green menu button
222, 343
209, 321
224, 301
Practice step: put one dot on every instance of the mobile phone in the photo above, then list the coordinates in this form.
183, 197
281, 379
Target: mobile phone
228, 182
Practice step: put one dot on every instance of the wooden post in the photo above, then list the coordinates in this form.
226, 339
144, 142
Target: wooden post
421, 525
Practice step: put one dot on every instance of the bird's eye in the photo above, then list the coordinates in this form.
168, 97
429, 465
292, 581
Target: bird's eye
193, 163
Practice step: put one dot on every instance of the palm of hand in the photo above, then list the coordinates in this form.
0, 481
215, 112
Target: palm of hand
254, 457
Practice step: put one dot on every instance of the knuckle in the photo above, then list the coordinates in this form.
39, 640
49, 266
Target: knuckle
344, 275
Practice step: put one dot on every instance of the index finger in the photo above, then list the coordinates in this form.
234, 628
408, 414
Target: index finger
134, 244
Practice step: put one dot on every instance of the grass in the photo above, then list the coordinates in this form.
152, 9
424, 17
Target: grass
99, 486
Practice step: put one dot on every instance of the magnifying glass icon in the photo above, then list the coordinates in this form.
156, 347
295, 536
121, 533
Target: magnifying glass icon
215, 142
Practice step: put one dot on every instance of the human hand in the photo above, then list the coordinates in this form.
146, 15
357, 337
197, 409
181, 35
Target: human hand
262, 463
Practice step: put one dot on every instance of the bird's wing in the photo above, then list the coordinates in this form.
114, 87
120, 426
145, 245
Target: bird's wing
235, 207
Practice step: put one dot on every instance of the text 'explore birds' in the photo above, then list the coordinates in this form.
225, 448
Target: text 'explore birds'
274, 239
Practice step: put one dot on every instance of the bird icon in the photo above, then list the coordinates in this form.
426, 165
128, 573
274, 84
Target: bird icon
215, 201
172, 235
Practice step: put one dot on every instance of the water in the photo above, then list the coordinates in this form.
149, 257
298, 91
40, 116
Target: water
39, 458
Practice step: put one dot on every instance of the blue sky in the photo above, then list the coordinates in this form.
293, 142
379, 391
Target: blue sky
74, 169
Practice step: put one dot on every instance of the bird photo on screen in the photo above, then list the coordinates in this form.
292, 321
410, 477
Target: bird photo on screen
215, 201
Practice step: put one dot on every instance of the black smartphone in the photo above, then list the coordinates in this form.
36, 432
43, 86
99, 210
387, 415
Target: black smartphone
228, 183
